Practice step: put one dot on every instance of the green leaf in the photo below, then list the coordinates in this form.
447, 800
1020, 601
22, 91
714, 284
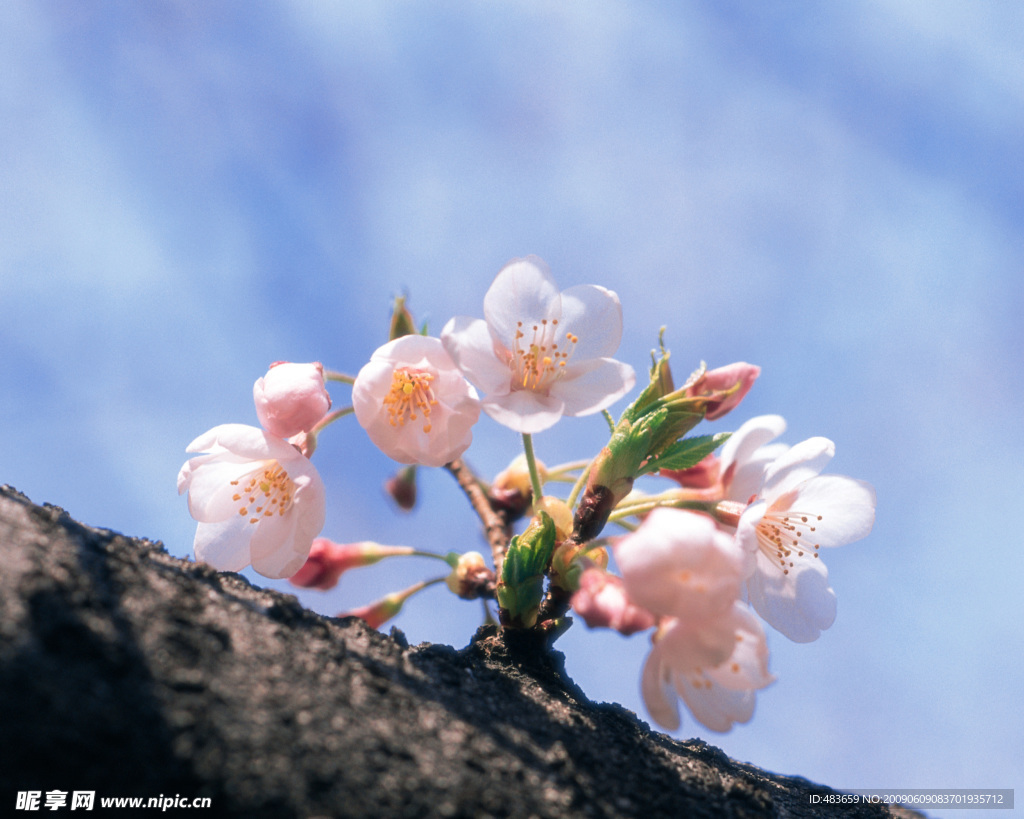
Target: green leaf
687, 452
521, 586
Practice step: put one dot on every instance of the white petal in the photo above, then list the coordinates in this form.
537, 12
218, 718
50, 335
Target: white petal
472, 347
225, 545
799, 604
751, 436
591, 386
688, 645
747, 476
717, 707
273, 547
800, 463
747, 668
657, 692
846, 507
211, 491
522, 292
524, 411
244, 442
594, 315
746, 535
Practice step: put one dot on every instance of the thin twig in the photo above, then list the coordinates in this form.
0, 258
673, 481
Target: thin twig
496, 526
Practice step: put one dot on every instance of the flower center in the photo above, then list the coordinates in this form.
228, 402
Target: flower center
785, 536
409, 397
266, 493
538, 362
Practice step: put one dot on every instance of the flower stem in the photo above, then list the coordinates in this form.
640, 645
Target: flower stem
330, 418
668, 499
531, 462
331, 375
578, 486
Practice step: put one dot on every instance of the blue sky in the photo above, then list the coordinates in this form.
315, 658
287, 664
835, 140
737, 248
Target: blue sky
836, 193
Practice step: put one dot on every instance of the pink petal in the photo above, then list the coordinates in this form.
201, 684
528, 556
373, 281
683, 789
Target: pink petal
716, 707
656, 689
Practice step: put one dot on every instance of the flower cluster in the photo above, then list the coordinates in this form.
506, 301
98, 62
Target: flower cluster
711, 545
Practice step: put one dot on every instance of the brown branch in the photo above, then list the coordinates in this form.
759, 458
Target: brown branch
497, 526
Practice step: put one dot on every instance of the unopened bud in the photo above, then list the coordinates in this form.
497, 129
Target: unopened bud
560, 514
470, 577
602, 603
401, 488
328, 560
379, 612
571, 560
722, 389
401, 320
291, 398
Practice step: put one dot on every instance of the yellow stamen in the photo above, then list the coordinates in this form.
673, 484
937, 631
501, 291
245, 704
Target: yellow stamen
410, 396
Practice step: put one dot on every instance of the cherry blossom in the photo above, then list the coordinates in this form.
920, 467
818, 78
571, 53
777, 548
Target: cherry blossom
257, 499
539, 353
795, 513
680, 564
708, 649
414, 403
682, 663
291, 398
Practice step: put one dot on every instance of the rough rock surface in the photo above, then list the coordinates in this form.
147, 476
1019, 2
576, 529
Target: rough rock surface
128, 672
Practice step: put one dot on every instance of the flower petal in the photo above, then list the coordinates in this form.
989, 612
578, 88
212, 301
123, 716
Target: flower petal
591, 386
800, 604
225, 544
846, 507
472, 347
523, 291
715, 706
210, 489
244, 442
524, 411
657, 693
750, 437
594, 315
800, 463
747, 667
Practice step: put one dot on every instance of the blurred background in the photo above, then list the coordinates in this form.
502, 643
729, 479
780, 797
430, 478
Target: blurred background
190, 191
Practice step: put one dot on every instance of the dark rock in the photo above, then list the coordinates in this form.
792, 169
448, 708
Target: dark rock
128, 672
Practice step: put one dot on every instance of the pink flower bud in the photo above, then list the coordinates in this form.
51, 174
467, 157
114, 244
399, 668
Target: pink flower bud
291, 398
378, 613
724, 387
703, 475
328, 560
602, 603
401, 488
